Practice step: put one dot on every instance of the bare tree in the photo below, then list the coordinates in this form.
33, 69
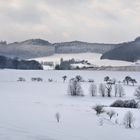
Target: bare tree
128, 119
106, 79
64, 78
74, 88
93, 89
116, 90
111, 113
119, 90
79, 78
109, 88
137, 93
99, 109
102, 89
133, 81
127, 79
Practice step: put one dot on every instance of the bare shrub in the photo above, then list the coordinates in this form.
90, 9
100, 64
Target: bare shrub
111, 113
99, 109
57, 116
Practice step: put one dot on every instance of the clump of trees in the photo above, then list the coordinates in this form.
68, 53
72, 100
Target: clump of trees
15, 63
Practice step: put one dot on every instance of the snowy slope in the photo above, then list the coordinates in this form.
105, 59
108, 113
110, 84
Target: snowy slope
93, 58
28, 108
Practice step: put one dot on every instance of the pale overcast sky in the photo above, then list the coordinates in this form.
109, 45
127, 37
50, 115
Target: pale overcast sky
65, 20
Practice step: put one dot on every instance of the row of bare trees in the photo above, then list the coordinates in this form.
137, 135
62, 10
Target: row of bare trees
75, 89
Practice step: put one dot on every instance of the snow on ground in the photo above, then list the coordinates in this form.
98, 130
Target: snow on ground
27, 109
93, 58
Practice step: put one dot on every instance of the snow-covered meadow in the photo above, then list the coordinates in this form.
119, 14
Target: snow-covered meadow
27, 109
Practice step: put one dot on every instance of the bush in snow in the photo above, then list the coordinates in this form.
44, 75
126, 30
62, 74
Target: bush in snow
130, 104
111, 113
118, 103
50, 80
128, 119
99, 109
21, 79
37, 79
137, 93
93, 90
90, 80
102, 90
74, 88
126, 104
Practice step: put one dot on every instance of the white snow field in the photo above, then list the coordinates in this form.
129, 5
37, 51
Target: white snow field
27, 109
93, 58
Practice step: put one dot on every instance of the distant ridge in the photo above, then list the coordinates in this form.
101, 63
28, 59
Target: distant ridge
33, 48
129, 51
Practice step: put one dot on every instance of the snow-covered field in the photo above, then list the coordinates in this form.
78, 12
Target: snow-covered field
27, 109
93, 58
